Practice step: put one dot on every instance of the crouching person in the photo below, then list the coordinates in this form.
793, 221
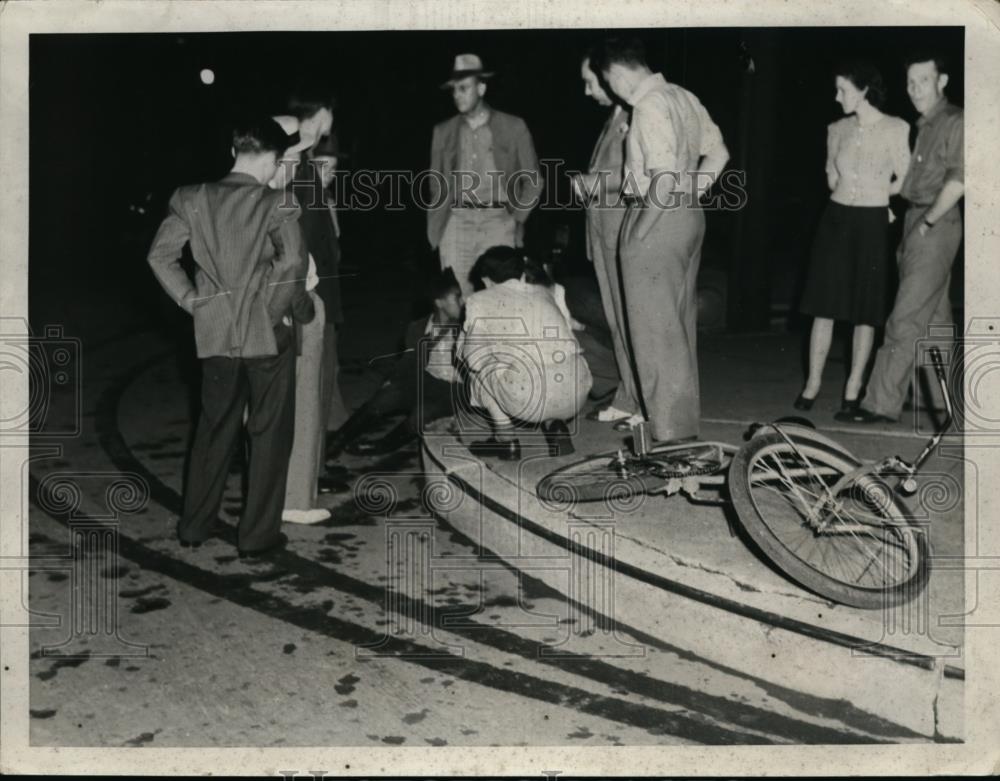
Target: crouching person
522, 361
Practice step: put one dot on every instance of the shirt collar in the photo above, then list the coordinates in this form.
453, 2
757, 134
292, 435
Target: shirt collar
647, 85
934, 112
238, 176
477, 123
517, 283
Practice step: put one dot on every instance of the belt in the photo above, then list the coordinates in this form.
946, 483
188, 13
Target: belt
479, 206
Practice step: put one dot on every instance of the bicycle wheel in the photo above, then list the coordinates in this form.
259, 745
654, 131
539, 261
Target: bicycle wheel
614, 476
841, 535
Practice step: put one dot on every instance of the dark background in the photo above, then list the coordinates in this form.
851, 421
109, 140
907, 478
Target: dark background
119, 120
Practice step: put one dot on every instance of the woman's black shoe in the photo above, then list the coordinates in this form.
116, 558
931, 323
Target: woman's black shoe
804, 403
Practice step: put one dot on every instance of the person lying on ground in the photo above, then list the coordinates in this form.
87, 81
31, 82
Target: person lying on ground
422, 383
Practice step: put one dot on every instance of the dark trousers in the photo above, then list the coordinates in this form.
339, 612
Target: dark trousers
408, 390
424, 398
268, 384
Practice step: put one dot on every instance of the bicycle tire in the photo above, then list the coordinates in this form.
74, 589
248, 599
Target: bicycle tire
594, 479
864, 501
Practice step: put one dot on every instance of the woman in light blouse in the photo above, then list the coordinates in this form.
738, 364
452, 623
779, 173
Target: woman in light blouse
867, 157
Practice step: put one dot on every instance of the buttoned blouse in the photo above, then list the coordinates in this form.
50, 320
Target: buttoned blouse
864, 159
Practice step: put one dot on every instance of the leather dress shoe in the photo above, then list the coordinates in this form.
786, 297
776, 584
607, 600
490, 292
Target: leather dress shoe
863, 416
850, 406
280, 542
803, 402
507, 450
558, 438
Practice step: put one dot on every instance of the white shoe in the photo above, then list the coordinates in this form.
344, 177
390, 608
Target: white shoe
305, 516
627, 424
611, 415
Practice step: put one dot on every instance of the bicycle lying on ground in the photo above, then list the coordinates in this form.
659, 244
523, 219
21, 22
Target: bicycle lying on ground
829, 521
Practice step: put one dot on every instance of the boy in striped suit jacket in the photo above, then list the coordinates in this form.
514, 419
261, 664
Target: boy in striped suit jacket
250, 269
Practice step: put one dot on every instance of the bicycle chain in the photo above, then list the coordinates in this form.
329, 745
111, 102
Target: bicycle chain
694, 468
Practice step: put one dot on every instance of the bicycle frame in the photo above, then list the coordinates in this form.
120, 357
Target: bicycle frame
895, 466
720, 450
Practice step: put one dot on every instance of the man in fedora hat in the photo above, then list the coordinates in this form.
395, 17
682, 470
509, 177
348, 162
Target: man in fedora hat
485, 178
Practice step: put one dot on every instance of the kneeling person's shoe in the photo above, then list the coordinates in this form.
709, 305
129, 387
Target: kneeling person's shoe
507, 450
557, 438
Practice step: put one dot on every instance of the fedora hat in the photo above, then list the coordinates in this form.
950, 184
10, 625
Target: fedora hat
466, 65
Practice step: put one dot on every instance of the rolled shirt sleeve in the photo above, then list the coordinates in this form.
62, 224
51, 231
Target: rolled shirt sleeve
954, 158
655, 134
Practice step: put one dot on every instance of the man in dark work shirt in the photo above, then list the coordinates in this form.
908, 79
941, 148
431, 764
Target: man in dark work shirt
932, 233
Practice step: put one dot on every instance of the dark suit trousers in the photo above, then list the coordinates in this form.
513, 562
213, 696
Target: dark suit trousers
227, 384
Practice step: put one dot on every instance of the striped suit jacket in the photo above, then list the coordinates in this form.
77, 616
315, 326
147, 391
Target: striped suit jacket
250, 263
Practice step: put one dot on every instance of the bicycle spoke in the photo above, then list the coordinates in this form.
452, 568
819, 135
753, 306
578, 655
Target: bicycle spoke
848, 535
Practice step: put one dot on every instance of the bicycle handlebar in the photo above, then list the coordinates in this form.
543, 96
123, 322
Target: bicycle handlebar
942, 377
938, 362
